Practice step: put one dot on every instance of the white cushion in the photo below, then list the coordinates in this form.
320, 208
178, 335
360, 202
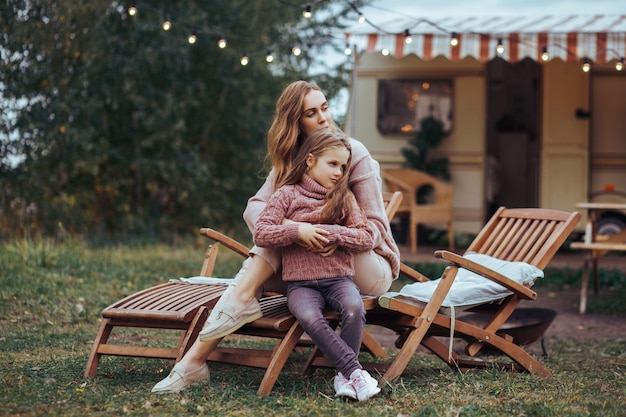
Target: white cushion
469, 288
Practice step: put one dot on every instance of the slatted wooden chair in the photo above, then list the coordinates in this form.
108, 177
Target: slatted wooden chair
436, 211
529, 235
173, 305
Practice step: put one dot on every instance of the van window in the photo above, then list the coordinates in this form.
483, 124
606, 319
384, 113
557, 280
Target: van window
402, 104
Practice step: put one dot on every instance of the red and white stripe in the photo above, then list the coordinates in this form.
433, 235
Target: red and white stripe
600, 38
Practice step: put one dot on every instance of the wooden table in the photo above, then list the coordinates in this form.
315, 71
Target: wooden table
596, 246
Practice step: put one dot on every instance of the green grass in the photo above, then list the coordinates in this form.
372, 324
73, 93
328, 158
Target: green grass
51, 296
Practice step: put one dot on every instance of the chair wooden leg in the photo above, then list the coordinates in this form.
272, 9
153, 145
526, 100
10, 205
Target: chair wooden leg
403, 357
279, 357
372, 345
309, 366
413, 236
584, 284
451, 245
94, 356
192, 332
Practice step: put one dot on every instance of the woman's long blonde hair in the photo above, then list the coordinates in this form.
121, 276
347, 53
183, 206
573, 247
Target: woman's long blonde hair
340, 200
284, 137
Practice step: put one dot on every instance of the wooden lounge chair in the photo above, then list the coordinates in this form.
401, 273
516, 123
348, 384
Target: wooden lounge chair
172, 305
436, 211
184, 306
529, 235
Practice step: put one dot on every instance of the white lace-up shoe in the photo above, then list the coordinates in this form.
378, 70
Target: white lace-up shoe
343, 388
364, 385
179, 379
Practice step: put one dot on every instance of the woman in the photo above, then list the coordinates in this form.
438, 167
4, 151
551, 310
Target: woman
301, 110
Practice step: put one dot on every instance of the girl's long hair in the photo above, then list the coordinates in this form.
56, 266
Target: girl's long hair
340, 200
284, 137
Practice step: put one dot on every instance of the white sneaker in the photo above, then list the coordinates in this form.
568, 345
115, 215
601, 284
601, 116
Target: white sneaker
179, 379
364, 385
343, 388
227, 318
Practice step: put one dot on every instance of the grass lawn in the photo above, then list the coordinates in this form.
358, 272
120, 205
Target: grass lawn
51, 297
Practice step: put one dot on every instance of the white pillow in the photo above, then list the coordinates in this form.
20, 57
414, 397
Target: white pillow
469, 288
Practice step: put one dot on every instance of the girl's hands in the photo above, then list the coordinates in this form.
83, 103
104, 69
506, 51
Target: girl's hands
327, 250
312, 237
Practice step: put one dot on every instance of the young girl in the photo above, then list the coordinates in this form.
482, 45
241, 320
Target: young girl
320, 209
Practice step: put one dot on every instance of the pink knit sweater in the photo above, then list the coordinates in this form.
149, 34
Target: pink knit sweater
304, 202
365, 183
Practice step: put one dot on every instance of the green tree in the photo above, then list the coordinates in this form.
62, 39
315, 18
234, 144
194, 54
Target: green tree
120, 127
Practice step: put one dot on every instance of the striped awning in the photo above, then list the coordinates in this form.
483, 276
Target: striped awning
599, 38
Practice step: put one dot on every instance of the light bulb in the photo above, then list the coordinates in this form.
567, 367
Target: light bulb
307, 11
385, 52
347, 51
269, 57
454, 39
192, 39
407, 37
500, 47
586, 65
132, 10
221, 43
244, 60
361, 19
620, 64
167, 25
544, 53
296, 51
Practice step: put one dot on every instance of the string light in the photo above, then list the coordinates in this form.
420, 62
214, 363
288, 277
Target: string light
307, 11
500, 47
454, 39
268, 56
244, 59
408, 39
167, 24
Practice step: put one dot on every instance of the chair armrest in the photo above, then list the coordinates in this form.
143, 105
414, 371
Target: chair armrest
230, 243
412, 273
406, 187
461, 262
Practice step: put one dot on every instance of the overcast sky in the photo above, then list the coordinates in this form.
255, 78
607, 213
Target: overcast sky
384, 10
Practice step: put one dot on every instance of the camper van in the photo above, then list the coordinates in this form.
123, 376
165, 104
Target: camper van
521, 130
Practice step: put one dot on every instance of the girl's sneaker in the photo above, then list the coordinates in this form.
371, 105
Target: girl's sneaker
343, 388
364, 385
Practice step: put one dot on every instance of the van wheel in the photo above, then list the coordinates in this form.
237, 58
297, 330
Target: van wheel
610, 225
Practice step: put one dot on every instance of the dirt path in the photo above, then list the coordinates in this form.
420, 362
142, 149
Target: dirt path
570, 324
